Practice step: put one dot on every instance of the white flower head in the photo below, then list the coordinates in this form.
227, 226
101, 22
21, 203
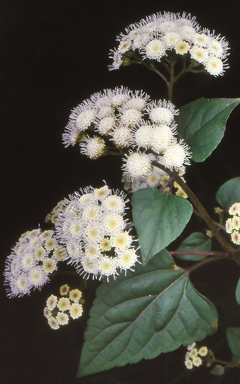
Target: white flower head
136, 164
83, 115
127, 259
116, 55
53, 322
182, 47
76, 311
201, 39
62, 318
92, 147
120, 96
142, 135
177, 155
138, 100
154, 50
162, 137
108, 266
199, 54
215, 66
162, 112
121, 136
217, 46
171, 39
124, 46
130, 116
234, 209
106, 125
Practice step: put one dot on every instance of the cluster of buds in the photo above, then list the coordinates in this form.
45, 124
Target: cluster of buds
91, 226
161, 35
59, 310
34, 257
233, 224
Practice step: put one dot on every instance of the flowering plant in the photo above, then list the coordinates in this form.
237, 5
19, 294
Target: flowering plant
146, 302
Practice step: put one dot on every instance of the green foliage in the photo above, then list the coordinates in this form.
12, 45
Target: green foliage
238, 292
229, 193
218, 370
159, 219
233, 336
195, 242
152, 310
202, 124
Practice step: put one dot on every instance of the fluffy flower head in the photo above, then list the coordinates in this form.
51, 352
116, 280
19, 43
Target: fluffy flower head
101, 234
137, 164
31, 261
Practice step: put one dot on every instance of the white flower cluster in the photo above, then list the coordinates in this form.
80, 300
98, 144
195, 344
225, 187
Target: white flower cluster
32, 260
92, 227
59, 310
152, 38
110, 114
233, 224
133, 125
193, 356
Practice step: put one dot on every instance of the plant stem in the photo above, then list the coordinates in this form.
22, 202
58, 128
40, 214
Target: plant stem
202, 211
152, 67
205, 261
220, 226
207, 253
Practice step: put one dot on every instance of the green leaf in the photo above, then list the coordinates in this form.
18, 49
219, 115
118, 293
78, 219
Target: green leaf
229, 193
238, 292
138, 316
195, 242
218, 370
202, 124
159, 219
233, 336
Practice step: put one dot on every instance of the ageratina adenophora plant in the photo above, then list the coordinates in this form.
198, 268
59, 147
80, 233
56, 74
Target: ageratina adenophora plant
146, 303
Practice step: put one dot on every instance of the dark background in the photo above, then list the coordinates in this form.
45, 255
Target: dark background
53, 55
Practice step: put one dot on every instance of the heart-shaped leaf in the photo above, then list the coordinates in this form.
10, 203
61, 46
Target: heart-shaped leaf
152, 310
202, 124
229, 193
159, 219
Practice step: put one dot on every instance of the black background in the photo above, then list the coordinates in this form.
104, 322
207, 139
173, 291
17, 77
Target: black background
53, 55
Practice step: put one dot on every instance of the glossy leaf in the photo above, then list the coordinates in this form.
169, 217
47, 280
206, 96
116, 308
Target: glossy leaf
229, 193
195, 242
159, 219
233, 336
152, 310
202, 124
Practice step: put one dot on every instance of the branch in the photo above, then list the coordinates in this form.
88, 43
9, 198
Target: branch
202, 211
207, 253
